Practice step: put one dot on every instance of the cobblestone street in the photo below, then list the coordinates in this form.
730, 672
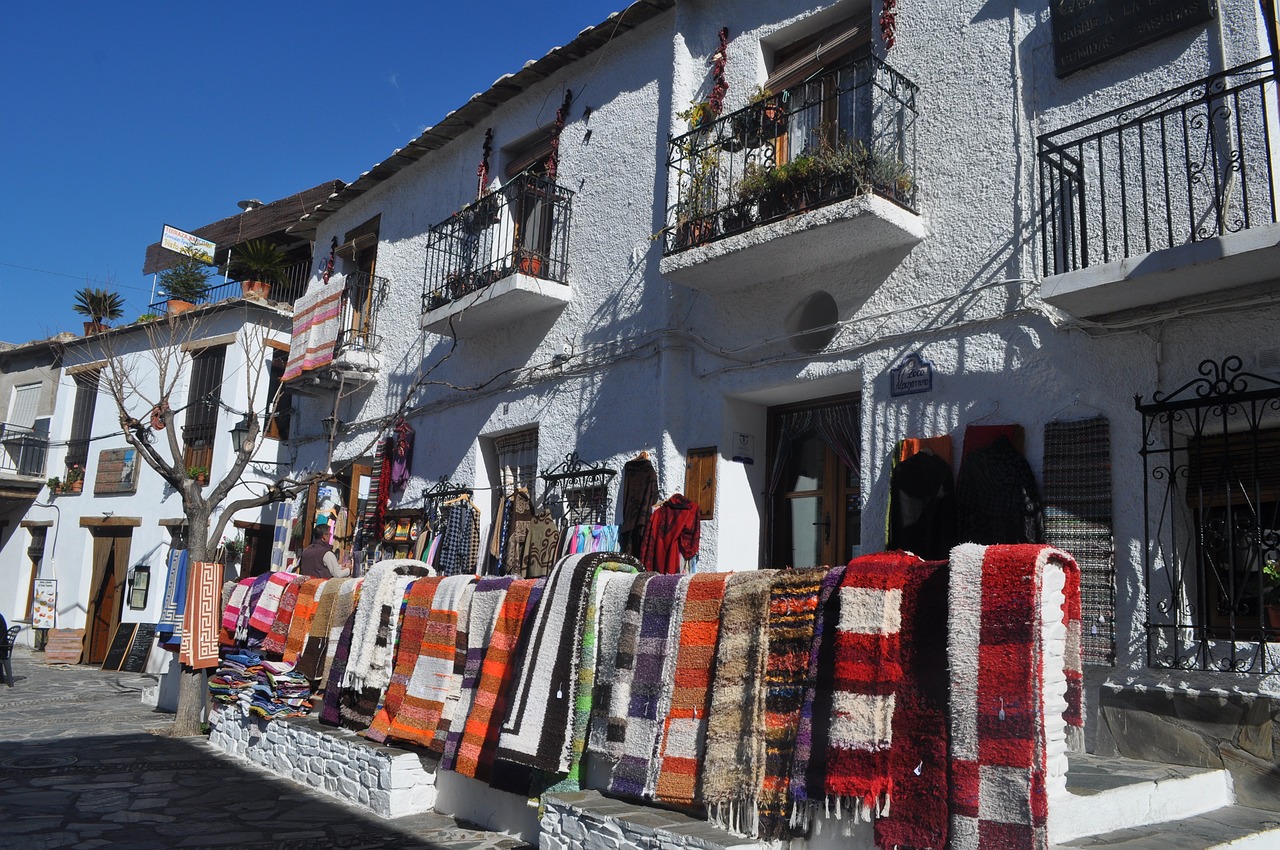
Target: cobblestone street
84, 764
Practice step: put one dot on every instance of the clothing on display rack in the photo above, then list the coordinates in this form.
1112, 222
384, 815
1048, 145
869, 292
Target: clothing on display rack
401, 455
922, 505
997, 497
590, 538
540, 546
673, 534
460, 547
639, 493
510, 530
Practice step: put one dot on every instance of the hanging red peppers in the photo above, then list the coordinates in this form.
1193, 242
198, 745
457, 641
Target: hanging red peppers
888, 21
553, 161
482, 170
719, 85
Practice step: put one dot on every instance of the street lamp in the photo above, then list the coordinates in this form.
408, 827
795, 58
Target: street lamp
240, 434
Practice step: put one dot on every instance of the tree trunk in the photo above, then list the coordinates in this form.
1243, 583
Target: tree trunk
192, 687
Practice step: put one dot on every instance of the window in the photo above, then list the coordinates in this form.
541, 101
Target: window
815, 497
517, 460
360, 251
82, 417
279, 409
22, 405
204, 397
534, 207
35, 552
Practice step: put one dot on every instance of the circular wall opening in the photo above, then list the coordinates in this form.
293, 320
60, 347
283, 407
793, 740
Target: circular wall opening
811, 323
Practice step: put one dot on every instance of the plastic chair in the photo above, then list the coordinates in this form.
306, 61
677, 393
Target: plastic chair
6, 652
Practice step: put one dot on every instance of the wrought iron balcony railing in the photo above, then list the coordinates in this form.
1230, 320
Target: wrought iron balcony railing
296, 277
849, 131
1186, 165
521, 228
362, 299
22, 450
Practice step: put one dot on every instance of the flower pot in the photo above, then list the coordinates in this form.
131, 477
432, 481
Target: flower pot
77, 486
94, 328
531, 265
1273, 616
255, 289
177, 306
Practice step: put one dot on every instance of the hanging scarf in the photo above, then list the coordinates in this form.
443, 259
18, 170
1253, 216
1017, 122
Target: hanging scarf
279, 633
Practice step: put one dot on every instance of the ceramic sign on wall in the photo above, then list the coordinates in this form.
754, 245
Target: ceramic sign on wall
117, 472
1086, 32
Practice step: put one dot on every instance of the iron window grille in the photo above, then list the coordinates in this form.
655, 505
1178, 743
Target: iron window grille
82, 418
204, 398
1185, 165
362, 300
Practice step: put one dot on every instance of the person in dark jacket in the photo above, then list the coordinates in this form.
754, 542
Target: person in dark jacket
318, 560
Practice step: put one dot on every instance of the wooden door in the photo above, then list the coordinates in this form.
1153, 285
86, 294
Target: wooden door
106, 590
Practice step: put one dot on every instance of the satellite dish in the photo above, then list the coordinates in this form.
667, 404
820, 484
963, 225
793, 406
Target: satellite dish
249, 204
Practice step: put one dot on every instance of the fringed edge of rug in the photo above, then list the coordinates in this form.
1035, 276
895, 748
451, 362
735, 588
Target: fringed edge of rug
739, 817
808, 816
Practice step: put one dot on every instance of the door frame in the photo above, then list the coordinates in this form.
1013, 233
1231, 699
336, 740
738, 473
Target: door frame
110, 545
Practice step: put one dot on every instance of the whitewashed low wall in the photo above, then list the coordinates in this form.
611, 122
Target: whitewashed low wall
387, 781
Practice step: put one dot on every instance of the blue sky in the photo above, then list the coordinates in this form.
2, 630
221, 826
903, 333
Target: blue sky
123, 117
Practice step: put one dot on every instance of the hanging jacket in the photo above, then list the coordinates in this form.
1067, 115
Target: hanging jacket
674, 530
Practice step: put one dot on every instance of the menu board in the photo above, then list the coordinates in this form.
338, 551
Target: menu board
135, 660
120, 641
1086, 32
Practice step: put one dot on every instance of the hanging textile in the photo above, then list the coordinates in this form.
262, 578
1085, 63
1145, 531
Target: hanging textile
639, 494
940, 446
315, 331
169, 628
922, 506
486, 602
280, 535
980, 436
460, 548
540, 546
375, 506
200, 622
997, 497
1077, 519
401, 455
674, 532
413, 625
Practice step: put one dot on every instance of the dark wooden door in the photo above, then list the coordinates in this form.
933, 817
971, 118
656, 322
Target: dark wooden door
104, 607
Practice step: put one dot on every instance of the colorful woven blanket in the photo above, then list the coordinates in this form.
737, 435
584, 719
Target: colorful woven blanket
169, 626
611, 607
624, 663
460, 640
315, 646
793, 605
231, 613
1008, 609
538, 729
485, 604
331, 713
243, 632
413, 625
200, 621
733, 769
344, 605
422, 710
315, 330
808, 775
667, 690
304, 613
867, 674
685, 729
274, 642
264, 613
630, 774
483, 723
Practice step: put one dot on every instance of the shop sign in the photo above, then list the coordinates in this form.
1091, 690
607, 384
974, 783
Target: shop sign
744, 448
182, 242
45, 604
1086, 32
913, 375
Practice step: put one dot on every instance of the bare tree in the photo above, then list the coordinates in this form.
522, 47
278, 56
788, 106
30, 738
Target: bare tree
148, 386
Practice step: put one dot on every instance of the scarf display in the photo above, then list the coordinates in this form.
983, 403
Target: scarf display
537, 731
273, 643
486, 601
868, 671
232, 611
640, 738
304, 613
315, 330
918, 758
169, 627
540, 546
315, 646
733, 767
413, 625
483, 724
1077, 519
624, 668
201, 620
246, 634
793, 605
423, 709
808, 775
611, 608
685, 728
1004, 601
331, 713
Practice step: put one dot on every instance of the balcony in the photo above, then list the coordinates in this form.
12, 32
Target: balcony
1169, 198
22, 451
817, 176
325, 350
295, 284
500, 259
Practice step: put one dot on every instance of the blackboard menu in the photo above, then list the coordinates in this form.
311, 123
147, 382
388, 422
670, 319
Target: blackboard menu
120, 642
1086, 32
136, 659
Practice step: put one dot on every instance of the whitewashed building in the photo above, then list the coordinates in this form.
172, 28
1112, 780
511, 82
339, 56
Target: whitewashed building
936, 217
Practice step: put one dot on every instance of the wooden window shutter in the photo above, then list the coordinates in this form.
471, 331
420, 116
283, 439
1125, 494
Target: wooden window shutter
700, 480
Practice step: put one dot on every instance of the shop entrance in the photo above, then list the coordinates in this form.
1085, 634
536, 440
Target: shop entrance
815, 496
106, 589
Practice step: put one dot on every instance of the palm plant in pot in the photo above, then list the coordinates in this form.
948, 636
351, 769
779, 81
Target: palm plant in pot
98, 305
258, 265
185, 282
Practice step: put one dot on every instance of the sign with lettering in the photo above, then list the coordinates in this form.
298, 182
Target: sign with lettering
44, 606
913, 375
117, 472
182, 242
135, 660
1086, 32
120, 642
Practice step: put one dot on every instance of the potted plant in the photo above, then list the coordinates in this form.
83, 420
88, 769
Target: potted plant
185, 282
764, 120
696, 214
75, 478
1271, 592
55, 485
233, 549
699, 114
98, 305
199, 474
258, 265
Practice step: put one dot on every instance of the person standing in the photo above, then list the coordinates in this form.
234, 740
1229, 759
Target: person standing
318, 559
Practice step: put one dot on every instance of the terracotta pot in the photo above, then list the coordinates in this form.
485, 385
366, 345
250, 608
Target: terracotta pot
94, 328
1273, 616
255, 289
531, 265
177, 306
77, 486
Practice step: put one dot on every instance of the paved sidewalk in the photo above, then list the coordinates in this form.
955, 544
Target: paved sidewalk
81, 767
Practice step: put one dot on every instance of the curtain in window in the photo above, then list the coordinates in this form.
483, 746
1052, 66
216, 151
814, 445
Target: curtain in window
517, 460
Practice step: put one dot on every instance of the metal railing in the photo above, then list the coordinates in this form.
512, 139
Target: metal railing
22, 450
849, 131
296, 277
362, 298
522, 227
1186, 165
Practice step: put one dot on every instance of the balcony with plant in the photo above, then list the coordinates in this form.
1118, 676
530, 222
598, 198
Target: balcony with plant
98, 306
499, 258
838, 150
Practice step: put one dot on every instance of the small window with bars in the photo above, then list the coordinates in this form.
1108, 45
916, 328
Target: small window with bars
199, 429
517, 460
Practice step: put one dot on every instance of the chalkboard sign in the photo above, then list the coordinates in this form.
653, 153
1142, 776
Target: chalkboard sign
119, 646
1086, 32
139, 649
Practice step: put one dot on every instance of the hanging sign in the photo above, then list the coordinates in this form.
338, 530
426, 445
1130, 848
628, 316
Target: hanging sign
913, 375
45, 604
744, 448
1086, 32
182, 242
